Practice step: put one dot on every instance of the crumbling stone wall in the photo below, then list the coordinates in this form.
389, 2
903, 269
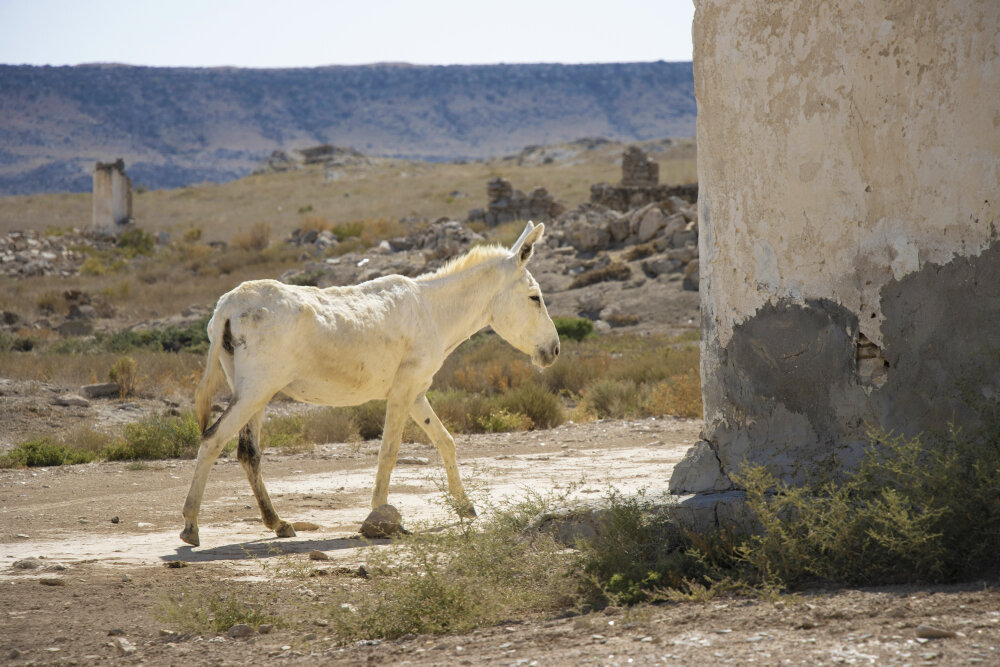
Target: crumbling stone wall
506, 204
112, 197
640, 185
849, 263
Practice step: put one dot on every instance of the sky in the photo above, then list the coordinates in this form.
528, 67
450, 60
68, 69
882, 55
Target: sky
312, 33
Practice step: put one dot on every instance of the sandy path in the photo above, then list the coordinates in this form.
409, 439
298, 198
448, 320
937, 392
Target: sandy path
65, 514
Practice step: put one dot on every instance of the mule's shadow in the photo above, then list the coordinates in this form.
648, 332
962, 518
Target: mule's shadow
267, 548
276, 546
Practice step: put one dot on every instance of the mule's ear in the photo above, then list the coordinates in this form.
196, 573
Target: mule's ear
524, 246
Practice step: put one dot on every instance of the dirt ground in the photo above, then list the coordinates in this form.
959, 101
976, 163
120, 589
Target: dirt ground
105, 534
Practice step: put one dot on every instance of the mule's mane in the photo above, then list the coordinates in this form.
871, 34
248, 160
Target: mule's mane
474, 257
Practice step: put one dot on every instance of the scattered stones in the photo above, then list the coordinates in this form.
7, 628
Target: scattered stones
240, 631
383, 521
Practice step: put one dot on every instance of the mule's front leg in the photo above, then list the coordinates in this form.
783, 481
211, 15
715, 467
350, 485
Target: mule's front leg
424, 415
392, 436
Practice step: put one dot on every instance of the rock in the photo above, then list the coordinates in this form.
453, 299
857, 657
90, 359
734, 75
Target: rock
930, 632
52, 581
28, 564
265, 628
101, 390
240, 631
586, 237
383, 521
659, 265
619, 228
413, 460
115, 519
318, 555
81, 312
9, 318
124, 646
651, 224
306, 526
71, 400
699, 471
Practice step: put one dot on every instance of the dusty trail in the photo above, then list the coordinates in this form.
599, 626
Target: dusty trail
65, 514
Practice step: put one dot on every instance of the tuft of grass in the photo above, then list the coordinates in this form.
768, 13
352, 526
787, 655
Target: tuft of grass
211, 612
502, 420
255, 239
331, 425
612, 398
455, 581
125, 371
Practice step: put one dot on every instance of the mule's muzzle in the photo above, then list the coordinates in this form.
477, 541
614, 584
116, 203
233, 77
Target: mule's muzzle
546, 356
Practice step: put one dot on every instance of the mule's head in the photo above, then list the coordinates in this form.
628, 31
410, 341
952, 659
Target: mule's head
519, 313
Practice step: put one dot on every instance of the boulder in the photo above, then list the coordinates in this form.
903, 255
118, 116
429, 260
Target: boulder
101, 390
383, 521
699, 471
650, 224
586, 237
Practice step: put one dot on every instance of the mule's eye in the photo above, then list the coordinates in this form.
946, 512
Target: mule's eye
536, 298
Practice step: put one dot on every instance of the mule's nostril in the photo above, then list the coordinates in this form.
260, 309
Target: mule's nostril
555, 350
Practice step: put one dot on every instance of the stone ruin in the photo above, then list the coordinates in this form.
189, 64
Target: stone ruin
640, 185
506, 204
638, 171
112, 198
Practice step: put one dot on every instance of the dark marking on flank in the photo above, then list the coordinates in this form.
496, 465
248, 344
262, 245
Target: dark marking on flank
427, 421
227, 338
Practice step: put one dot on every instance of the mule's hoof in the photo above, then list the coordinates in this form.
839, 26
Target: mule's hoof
190, 535
285, 530
467, 511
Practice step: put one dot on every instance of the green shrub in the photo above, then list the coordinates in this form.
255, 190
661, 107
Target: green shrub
543, 408
612, 398
922, 509
331, 425
286, 433
575, 328
44, 452
502, 421
158, 437
135, 241
192, 338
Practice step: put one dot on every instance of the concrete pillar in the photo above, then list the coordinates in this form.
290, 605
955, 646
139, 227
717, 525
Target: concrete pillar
112, 197
849, 170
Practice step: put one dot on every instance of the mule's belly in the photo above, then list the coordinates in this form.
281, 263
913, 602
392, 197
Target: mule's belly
335, 391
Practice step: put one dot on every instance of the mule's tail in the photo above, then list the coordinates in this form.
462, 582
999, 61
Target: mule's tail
212, 373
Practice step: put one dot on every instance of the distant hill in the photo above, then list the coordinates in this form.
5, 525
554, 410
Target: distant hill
176, 126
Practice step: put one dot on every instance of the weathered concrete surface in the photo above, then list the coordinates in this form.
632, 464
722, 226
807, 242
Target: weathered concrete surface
848, 158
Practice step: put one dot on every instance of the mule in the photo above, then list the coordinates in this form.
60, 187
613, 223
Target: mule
340, 346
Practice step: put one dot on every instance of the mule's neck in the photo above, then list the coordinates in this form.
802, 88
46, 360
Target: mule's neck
461, 302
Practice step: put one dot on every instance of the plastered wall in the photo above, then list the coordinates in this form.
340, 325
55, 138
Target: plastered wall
849, 171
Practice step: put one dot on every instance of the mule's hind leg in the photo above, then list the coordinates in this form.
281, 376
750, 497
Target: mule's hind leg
249, 455
424, 415
212, 441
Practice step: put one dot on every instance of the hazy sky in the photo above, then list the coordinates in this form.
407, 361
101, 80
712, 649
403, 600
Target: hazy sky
306, 33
